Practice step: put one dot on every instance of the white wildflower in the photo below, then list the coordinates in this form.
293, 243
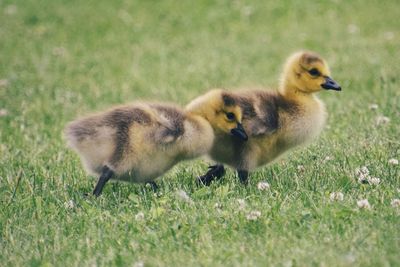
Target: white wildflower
139, 216
380, 120
302, 35
336, 196
388, 36
393, 162
363, 204
363, 174
3, 82
247, 11
138, 264
374, 180
328, 158
218, 205
373, 106
263, 186
253, 215
362, 171
59, 51
125, 16
300, 168
3, 112
69, 204
350, 258
288, 263
365, 178
10, 9
183, 196
242, 204
352, 29
395, 203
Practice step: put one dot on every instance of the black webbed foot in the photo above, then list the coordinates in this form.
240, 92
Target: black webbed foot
215, 172
243, 176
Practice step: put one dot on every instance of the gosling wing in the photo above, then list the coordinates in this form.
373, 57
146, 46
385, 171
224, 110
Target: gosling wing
171, 124
260, 113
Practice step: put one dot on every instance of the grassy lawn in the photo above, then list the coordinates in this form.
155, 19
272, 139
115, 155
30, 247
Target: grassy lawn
61, 59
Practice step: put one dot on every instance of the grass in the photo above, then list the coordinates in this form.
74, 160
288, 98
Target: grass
62, 59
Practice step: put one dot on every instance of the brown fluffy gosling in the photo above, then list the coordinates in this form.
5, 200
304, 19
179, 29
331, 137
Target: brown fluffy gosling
142, 141
275, 121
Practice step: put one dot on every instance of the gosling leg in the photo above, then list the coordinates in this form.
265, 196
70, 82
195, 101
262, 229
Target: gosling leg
106, 174
243, 176
153, 185
215, 172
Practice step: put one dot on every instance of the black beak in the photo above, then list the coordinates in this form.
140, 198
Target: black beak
240, 132
331, 84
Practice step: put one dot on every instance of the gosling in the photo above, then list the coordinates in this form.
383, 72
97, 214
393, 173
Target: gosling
275, 121
140, 142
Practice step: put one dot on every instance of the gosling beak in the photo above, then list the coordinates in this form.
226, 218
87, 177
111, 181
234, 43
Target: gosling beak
331, 84
240, 132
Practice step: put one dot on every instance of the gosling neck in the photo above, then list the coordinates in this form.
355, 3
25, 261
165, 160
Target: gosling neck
199, 112
290, 91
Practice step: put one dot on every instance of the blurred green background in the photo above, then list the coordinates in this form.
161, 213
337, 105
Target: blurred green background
61, 59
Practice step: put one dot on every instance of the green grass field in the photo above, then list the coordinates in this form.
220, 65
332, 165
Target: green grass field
62, 59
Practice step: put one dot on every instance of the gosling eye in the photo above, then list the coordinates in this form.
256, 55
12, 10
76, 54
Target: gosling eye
230, 116
314, 72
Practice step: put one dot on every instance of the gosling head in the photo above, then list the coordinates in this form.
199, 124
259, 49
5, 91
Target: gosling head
221, 110
308, 73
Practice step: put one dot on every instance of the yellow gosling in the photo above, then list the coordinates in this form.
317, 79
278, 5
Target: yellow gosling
275, 121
